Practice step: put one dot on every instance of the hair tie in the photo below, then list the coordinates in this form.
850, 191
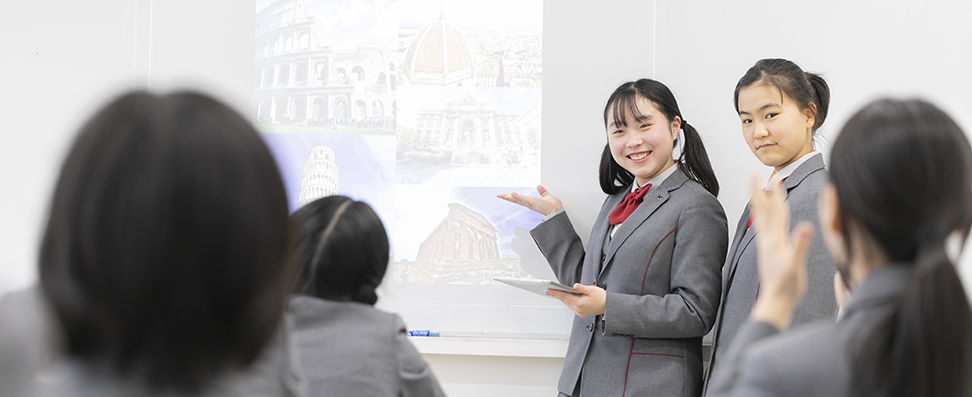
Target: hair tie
366, 294
684, 122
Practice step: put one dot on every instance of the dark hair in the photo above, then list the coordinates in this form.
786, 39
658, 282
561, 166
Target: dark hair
803, 87
909, 208
164, 255
693, 159
340, 250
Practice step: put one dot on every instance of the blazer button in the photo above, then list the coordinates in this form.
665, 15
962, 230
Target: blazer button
589, 328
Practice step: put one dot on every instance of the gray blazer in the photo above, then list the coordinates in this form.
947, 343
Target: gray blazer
275, 373
814, 360
740, 279
662, 275
29, 339
353, 349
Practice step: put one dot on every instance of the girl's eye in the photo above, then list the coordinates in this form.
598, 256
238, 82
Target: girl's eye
771, 115
643, 126
747, 121
618, 131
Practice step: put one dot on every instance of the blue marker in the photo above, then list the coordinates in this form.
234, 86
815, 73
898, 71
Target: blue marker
422, 332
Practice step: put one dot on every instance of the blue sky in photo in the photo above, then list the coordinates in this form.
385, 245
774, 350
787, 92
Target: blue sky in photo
366, 165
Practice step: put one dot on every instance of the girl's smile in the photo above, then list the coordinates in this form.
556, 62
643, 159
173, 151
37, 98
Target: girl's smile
641, 139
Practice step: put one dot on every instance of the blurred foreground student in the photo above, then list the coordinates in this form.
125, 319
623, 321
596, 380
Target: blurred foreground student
347, 347
901, 187
649, 278
164, 255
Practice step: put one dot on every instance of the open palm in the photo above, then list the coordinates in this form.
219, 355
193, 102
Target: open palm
546, 204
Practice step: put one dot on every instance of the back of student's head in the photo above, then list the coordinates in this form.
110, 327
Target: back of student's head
808, 90
341, 250
623, 106
902, 170
164, 255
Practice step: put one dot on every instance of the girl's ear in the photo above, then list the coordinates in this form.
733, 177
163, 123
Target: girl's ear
811, 113
676, 127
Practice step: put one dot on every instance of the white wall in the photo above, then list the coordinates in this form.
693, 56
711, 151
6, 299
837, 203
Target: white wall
61, 60
64, 58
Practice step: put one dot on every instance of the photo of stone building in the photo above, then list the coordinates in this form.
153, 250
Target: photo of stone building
439, 55
471, 132
442, 52
461, 250
471, 141
301, 80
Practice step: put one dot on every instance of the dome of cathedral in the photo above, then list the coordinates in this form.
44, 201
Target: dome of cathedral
439, 54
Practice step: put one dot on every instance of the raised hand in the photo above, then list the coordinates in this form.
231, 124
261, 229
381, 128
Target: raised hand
840, 291
781, 256
546, 204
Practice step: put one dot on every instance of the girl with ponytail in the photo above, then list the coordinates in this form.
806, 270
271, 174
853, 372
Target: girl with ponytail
648, 283
780, 107
347, 347
907, 329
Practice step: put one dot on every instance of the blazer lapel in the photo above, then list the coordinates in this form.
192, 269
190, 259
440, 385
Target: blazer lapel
650, 204
803, 171
601, 229
736, 248
808, 167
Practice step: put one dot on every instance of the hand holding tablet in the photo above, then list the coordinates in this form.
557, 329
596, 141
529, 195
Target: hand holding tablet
536, 286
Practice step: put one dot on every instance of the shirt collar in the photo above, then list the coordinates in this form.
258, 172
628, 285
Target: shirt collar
788, 170
657, 180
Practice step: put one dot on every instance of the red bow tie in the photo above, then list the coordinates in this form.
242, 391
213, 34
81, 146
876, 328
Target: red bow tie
628, 206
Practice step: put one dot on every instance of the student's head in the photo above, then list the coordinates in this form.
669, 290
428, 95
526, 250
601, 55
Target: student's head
643, 124
780, 107
901, 174
341, 250
164, 255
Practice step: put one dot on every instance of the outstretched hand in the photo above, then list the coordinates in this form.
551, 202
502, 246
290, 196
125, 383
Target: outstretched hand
590, 302
781, 256
546, 204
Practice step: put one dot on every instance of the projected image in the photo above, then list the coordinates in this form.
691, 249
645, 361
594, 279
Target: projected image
469, 136
425, 109
448, 235
318, 165
468, 43
329, 65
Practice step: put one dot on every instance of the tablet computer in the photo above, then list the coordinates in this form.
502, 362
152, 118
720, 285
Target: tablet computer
535, 285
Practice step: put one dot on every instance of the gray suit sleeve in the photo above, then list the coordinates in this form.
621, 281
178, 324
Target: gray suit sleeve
742, 374
29, 339
689, 310
819, 302
416, 374
562, 247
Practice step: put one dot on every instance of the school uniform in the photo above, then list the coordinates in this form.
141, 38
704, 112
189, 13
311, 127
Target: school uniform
803, 181
30, 339
275, 373
353, 349
661, 271
815, 360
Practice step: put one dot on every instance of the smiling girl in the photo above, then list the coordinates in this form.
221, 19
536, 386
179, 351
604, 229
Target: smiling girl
649, 279
780, 107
